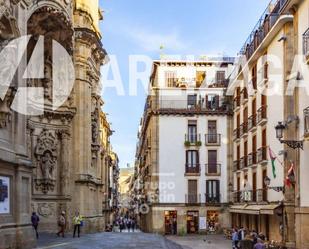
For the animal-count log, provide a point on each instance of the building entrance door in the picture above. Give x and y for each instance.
(170, 222)
(192, 222)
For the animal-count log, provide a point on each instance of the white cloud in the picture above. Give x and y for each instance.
(151, 41)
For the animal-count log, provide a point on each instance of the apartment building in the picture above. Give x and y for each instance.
(183, 150)
(271, 126)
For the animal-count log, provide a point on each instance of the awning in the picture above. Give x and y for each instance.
(254, 209)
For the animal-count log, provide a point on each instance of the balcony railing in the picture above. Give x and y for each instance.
(183, 105)
(252, 159)
(262, 28)
(243, 129)
(251, 122)
(236, 165)
(237, 196)
(243, 162)
(213, 169)
(193, 168)
(193, 199)
(212, 199)
(262, 154)
(236, 133)
(306, 44)
(213, 139)
(262, 115)
(193, 139)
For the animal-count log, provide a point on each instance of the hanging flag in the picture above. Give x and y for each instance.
(273, 159)
(290, 179)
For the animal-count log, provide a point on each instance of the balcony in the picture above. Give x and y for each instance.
(252, 159)
(236, 165)
(192, 140)
(244, 95)
(212, 199)
(243, 129)
(265, 24)
(306, 122)
(306, 45)
(237, 103)
(243, 162)
(213, 139)
(178, 107)
(261, 195)
(236, 134)
(252, 123)
(193, 169)
(262, 155)
(193, 199)
(213, 169)
(262, 115)
(237, 196)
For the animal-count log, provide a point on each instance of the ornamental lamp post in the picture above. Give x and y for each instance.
(294, 144)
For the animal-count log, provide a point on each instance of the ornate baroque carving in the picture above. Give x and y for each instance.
(46, 154)
(46, 209)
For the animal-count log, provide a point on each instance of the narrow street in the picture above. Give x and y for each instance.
(136, 240)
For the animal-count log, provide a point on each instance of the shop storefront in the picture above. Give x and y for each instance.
(170, 222)
(192, 222)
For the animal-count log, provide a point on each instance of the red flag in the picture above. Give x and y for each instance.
(290, 178)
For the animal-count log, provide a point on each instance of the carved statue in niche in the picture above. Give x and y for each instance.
(95, 126)
(46, 154)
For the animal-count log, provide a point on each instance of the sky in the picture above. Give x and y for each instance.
(140, 27)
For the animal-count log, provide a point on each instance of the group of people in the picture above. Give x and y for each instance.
(62, 222)
(126, 224)
(244, 239)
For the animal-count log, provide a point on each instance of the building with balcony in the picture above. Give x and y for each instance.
(183, 149)
(260, 198)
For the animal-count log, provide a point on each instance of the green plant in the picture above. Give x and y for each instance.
(198, 143)
(187, 143)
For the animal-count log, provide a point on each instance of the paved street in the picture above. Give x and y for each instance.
(202, 242)
(107, 241)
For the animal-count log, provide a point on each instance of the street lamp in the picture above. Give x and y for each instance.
(294, 144)
(277, 189)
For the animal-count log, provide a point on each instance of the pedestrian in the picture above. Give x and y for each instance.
(61, 224)
(129, 225)
(35, 223)
(259, 244)
(235, 239)
(77, 221)
(121, 225)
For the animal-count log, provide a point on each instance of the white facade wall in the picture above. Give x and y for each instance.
(172, 157)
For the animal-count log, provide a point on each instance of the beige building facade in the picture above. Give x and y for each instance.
(56, 161)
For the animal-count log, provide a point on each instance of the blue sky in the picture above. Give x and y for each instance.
(198, 27)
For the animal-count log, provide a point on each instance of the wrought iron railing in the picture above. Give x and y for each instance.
(193, 198)
(213, 139)
(213, 169)
(193, 168)
(211, 198)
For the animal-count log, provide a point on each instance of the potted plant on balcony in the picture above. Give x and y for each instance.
(198, 143)
(187, 143)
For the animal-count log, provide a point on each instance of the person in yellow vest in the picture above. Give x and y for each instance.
(78, 222)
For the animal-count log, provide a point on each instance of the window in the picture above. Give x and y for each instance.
(192, 191)
(212, 102)
(212, 132)
(192, 158)
(212, 162)
(213, 191)
(192, 132)
(171, 78)
(220, 77)
(192, 100)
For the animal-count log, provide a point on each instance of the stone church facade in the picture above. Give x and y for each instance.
(55, 161)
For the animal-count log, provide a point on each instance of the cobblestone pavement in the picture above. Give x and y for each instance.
(126, 240)
(202, 242)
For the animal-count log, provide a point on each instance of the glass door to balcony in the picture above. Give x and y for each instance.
(212, 191)
(212, 132)
(192, 132)
(192, 191)
(212, 162)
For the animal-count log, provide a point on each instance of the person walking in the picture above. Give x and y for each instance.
(133, 225)
(77, 221)
(61, 224)
(35, 223)
(129, 225)
(259, 244)
(235, 239)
